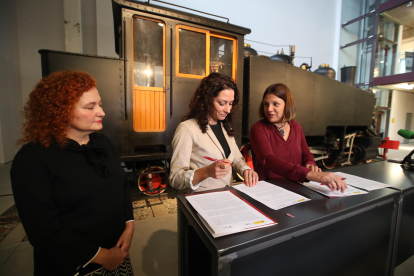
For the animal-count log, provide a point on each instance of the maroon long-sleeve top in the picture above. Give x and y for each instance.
(273, 157)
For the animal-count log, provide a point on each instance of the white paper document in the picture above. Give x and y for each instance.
(323, 189)
(271, 195)
(225, 213)
(362, 183)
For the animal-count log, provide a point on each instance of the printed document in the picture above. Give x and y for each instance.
(362, 183)
(225, 213)
(271, 195)
(323, 189)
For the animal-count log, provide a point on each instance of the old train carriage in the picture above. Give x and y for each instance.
(163, 55)
(335, 117)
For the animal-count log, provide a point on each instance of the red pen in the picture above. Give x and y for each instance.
(219, 161)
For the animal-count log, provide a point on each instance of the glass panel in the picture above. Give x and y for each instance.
(221, 56)
(360, 56)
(352, 9)
(381, 96)
(148, 53)
(192, 53)
(358, 30)
(395, 42)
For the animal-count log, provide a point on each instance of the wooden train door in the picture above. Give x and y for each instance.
(149, 101)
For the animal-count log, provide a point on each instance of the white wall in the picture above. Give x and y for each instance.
(402, 103)
(27, 26)
(312, 26)
(10, 82)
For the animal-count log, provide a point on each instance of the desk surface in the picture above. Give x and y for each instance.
(314, 213)
(384, 172)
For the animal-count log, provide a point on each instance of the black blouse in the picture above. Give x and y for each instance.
(218, 131)
(71, 201)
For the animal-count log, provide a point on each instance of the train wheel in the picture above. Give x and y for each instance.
(324, 163)
(159, 180)
(246, 151)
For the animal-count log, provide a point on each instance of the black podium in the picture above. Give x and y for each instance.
(340, 236)
(403, 181)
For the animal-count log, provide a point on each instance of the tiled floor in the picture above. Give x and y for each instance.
(6, 197)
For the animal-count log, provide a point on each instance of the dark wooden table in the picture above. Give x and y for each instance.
(403, 181)
(340, 236)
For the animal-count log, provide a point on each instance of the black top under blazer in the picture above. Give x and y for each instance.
(71, 201)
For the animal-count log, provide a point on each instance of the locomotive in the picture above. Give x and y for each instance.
(163, 55)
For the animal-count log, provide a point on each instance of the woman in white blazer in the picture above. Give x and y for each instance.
(207, 131)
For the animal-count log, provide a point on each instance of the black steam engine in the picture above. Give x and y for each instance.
(163, 55)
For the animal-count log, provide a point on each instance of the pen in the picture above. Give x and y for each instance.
(219, 161)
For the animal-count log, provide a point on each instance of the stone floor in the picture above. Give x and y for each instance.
(154, 246)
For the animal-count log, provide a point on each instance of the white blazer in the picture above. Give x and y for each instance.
(190, 145)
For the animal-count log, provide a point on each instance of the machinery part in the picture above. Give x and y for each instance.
(283, 58)
(248, 51)
(154, 176)
(318, 154)
(246, 151)
(359, 152)
(331, 162)
(327, 164)
(326, 71)
(349, 143)
(348, 74)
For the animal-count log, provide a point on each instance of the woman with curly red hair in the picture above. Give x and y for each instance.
(207, 131)
(70, 191)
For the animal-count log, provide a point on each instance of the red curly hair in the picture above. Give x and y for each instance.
(49, 108)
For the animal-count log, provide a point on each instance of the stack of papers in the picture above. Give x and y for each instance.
(323, 189)
(226, 213)
(271, 195)
(362, 183)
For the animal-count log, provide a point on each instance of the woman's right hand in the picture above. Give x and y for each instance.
(110, 258)
(219, 170)
(333, 181)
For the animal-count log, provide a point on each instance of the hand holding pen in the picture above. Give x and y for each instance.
(225, 161)
(219, 168)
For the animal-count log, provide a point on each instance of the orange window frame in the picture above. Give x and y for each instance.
(208, 35)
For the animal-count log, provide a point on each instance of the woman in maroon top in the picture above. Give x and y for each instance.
(279, 145)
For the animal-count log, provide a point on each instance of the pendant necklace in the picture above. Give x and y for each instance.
(281, 130)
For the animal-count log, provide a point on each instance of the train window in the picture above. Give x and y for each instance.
(200, 52)
(222, 55)
(149, 74)
(148, 53)
(192, 52)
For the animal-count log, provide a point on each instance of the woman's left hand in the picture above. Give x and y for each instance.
(313, 168)
(250, 177)
(124, 241)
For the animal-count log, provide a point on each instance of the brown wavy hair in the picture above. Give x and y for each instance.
(280, 90)
(202, 101)
(49, 109)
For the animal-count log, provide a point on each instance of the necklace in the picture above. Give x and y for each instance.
(281, 129)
